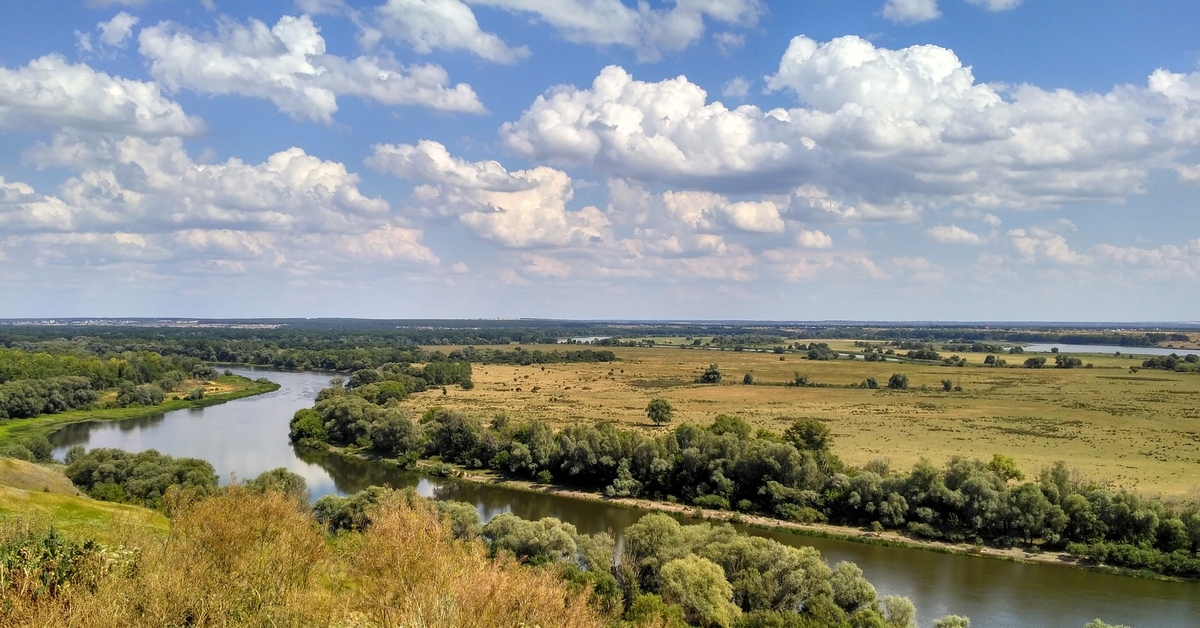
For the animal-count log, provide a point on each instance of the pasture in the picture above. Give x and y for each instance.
(1135, 430)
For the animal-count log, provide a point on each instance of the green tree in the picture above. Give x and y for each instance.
(698, 585)
(809, 435)
(898, 381)
(712, 375)
(748, 380)
(1005, 468)
(659, 411)
(851, 590)
(952, 621)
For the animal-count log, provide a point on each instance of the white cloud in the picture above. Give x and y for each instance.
(649, 31)
(1037, 245)
(429, 25)
(893, 130)
(154, 185)
(814, 240)
(51, 93)
(727, 42)
(518, 209)
(992, 220)
(737, 87)
(954, 234)
(117, 31)
(1191, 174)
(910, 11)
(997, 5)
(754, 216)
(288, 65)
(1168, 262)
(148, 203)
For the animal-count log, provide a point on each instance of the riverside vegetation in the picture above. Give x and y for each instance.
(793, 475)
(258, 554)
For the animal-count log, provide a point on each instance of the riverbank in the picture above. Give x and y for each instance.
(888, 538)
(19, 429)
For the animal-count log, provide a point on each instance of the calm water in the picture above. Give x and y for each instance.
(1107, 350)
(249, 436)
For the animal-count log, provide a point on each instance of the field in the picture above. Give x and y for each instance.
(1136, 430)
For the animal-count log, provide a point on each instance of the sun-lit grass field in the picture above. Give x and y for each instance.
(1139, 430)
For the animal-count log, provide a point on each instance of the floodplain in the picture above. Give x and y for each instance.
(1134, 428)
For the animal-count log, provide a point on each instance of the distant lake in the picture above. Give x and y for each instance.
(1108, 349)
(585, 339)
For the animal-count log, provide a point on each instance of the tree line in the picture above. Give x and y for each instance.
(33, 384)
(793, 476)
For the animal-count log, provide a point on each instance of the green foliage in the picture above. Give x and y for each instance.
(1035, 362)
(27, 398)
(712, 375)
(699, 587)
(142, 478)
(659, 411)
(821, 351)
(280, 480)
(952, 621)
(463, 519)
(543, 541)
(748, 380)
(898, 381)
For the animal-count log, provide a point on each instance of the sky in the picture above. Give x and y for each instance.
(601, 159)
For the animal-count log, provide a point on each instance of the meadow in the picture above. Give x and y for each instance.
(1137, 430)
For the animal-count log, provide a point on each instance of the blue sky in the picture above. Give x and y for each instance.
(883, 159)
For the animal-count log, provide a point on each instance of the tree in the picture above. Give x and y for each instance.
(698, 585)
(809, 435)
(898, 381)
(659, 411)
(947, 385)
(851, 590)
(1035, 363)
(952, 621)
(712, 375)
(1005, 468)
(748, 380)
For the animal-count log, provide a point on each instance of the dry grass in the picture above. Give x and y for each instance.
(243, 559)
(1138, 430)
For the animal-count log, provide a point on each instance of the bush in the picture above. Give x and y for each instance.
(898, 381)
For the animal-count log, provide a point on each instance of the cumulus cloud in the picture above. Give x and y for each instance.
(117, 31)
(910, 11)
(953, 234)
(1040, 245)
(737, 87)
(814, 240)
(649, 31)
(894, 130)
(147, 202)
(288, 65)
(429, 25)
(517, 209)
(156, 186)
(1166, 262)
(51, 93)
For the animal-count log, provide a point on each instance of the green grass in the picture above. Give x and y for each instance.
(42, 492)
(46, 424)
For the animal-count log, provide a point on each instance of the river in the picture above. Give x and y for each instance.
(246, 437)
(1107, 349)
